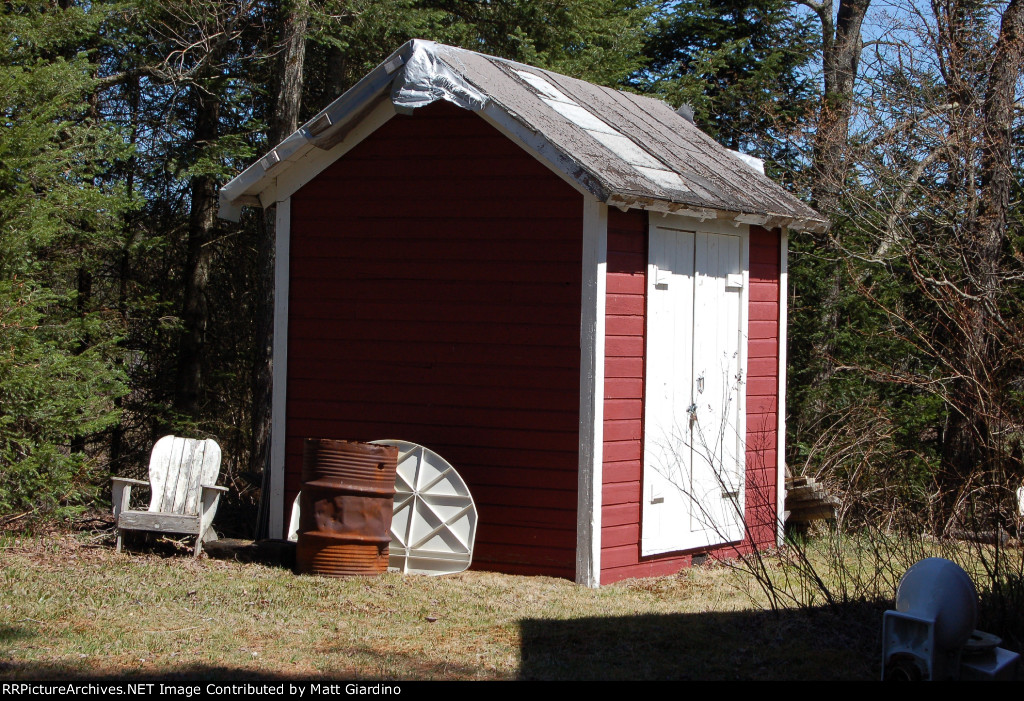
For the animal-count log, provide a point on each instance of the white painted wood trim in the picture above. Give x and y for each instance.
(592, 341)
(780, 450)
(315, 161)
(541, 149)
(282, 233)
(685, 222)
(744, 369)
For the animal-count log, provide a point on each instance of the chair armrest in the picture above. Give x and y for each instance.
(121, 493)
(208, 508)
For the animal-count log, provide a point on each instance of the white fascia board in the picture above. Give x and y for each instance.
(780, 404)
(544, 151)
(591, 415)
(256, 178)
(710, 225)
(315, 161)
(279, 397)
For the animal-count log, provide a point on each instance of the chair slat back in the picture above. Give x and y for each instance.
(177, 469)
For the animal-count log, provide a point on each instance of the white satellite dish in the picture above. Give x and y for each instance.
(434, 521)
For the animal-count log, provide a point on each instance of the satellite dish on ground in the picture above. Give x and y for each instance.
(434, 521)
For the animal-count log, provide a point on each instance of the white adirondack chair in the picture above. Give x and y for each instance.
(182, 473)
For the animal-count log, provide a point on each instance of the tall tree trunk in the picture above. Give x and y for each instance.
(201, 224)
(968, 446)
(288, 101)
(284, 120)
(841, 51)
(132, 88)
(336, 82)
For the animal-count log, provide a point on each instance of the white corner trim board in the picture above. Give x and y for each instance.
(278, 400)
(592, 351)
(780, 406)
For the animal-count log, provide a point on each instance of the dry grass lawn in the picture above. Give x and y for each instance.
(70, 607)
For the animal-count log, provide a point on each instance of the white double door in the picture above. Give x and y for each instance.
(694, 416)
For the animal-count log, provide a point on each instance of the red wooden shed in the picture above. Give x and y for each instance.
(569, 292)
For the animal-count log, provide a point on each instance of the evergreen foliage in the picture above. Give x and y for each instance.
(923, 283)
(744, 66)
(60, 216)
(596, 40)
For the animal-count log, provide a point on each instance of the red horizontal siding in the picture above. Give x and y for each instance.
(763, 291)
(762, 367)
(423, 422)
(620, 451)
(435, 298)
(472, 314)
(623, 444)
(622, 409)
(421, 373)
(623, 388)
(426, 393)
(444, 291)
(624, 393)
(624, 367)
(615, 431)
(615, 536)
(620, 515)
(763, 387)
(435, 351)
(620, 493)
(624, 470)
(763, 348)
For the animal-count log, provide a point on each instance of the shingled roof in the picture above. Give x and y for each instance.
(626, 150)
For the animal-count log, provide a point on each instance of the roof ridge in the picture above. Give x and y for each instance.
(629, 154)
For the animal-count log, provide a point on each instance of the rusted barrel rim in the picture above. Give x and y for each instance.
(334, 485)
(348, 538)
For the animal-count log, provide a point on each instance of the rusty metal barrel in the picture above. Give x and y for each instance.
(345, 508)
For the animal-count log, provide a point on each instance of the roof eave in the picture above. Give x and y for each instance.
(322, 131)
(769, 220)
(426, 78)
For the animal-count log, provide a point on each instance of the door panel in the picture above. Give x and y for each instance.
(715, 429)
(693, 421)
(669, 364)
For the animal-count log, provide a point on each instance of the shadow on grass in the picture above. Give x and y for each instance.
(823, 644)
(272, 553)
(812, 644)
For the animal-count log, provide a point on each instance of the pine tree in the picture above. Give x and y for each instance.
(742, 65)
(59, 218)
